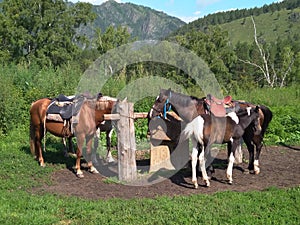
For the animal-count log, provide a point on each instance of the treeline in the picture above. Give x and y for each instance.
(229, 16)
(41, 33)
(44, 33)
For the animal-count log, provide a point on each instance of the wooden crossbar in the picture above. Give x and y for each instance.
(116, 116)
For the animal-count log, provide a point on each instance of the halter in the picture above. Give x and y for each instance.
(165, 107)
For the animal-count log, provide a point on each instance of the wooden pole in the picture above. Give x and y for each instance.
(126, 142)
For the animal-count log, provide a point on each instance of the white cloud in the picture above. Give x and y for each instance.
(225, 10)
(188, 19)
(94, 2)
(197, 13)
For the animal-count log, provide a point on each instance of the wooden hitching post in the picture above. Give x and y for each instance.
(126, 142)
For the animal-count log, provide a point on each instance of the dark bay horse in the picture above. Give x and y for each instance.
(189, 107)
(91, 114)
(207, 129)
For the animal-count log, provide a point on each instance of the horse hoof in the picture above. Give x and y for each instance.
(80, 175)
(246, 171)
(93, 170)
(230, 182)
(207, 184)
(110, 160)
(257, 171)
(195, 185)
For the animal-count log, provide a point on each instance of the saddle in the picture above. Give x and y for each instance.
(65, 109)
(219, 107)
(62, 106)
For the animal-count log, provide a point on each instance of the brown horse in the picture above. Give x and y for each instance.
(90, 116)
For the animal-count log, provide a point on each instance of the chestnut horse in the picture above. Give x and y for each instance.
(189, 107)
(107, 127)
(90, 116)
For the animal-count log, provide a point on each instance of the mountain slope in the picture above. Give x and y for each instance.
(277, 20)
(142, 22)
(269, 26)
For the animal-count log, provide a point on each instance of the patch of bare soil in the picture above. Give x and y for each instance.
(279, 168)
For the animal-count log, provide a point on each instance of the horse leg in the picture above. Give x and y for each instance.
(80, 140)
(39, 135)
(71, 147)
(202, 162)
(258, 144)
(208, 159)
(65, 147)
(239, 153)
(231, 158)
(109, 157)
(89, 142)
(194, 163)
(250, 148)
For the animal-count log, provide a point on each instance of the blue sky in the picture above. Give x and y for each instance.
(189, 10)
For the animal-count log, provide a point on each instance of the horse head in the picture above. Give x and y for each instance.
(257, 124)
(248, 116)
(161, 104)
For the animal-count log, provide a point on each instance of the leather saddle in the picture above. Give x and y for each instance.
(62, 106)
(219, 107)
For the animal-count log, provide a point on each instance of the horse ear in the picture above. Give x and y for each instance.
(169, 91)
(124, 100)
(257, 108)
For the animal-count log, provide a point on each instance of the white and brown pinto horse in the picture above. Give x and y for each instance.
(91, 115)
(208, 129)
(189, 107)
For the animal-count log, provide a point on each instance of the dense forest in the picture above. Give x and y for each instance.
(43, 55)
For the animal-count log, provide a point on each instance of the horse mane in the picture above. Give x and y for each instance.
(182, 99)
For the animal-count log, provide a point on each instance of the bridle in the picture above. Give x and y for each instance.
(166, 108)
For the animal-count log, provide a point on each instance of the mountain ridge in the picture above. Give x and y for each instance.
(141, 22)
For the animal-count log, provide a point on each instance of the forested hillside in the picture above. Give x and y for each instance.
(261, 48)
(230, 16)
(141, 22)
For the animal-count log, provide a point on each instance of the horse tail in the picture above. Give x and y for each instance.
(268, 115)
(195, 128)
(32, 138)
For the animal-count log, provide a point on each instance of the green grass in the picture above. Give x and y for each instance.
(272, 206)
(19, 173)
(272, 97)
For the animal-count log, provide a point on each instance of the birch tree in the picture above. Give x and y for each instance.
(272, 76)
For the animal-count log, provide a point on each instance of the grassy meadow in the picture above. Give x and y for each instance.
(269, 25)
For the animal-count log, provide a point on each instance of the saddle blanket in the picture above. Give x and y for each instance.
(54, 117)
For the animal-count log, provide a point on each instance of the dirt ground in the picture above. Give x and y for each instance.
(279, 168)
